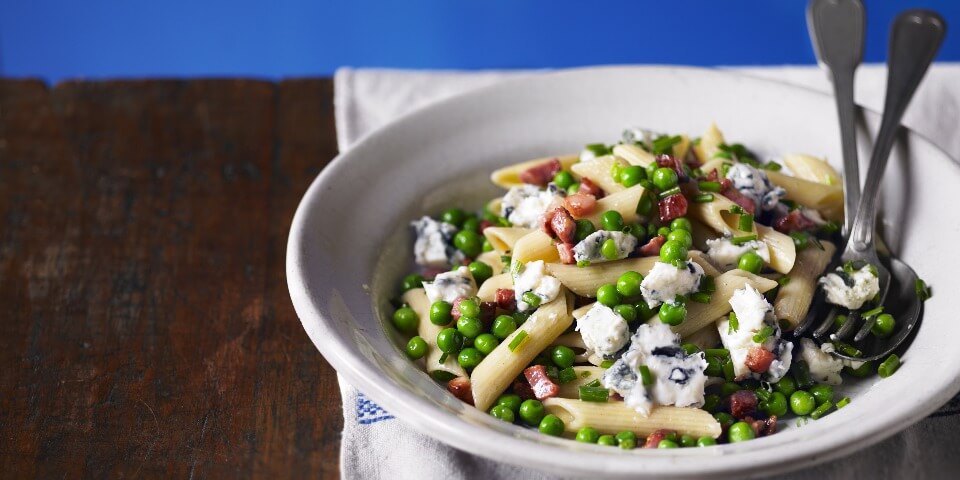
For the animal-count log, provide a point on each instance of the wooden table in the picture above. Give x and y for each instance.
(146, 325)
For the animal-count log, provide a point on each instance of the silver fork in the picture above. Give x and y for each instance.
(915, 37)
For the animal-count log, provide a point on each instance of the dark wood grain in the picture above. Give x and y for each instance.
(146, 329)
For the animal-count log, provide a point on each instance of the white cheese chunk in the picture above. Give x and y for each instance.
(665, 282)
(823, 366)
(434, 244)
(604, 332)
(632, 135)
(726, 255)
(589, 248)
(449, 286)
(531, 278)
(523, 205)
(677, 378)
(753, 314)
(850, 290)
(754, 183)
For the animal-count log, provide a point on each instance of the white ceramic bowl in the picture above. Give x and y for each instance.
(349, 247)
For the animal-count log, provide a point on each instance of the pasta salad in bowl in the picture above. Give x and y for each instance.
(639, 292)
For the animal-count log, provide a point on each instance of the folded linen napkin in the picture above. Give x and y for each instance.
(377, 445)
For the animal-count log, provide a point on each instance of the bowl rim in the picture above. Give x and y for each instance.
(410, 408)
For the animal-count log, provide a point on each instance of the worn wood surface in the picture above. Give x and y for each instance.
(146, 325)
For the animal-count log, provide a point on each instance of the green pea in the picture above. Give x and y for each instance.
(672, 250)
(416, 348)
(485, 342)
(532, 412)
(627, 440)
(665, 178)
(681, 223)
(469, 358)
(609, 249)
(724, 418)
(468, 308)
(682, 236)
(663, 231)
(405, 319)
(469, 327)
(502, 412)
(673, 314)
(551, 425)
(607, 440)
(729, 388)
(822, 393)
(802, 403)
(630, 176)
(667, 444)
(612, 220)
(885, 323)
(531, 299)
(511, 400)
(740, 432)
(787, 385)
(688, 441)
(454, 216)
(487, 246)
(573, 189)
(480, 271)
(440, 313)
(563, 179)
(468, 242)
(711, 402)
(776, 404)
(588, 435)
(472, 224)
(608, 295)
(411, 281)
(629, 283)
(627, 311)
(643, 310)
(584, 229)
(562, 356)
(706, 442)
(449, 340)
(750, 262)
(503, 326)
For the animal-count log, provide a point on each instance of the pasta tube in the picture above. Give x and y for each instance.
(615, 417)
(828, 199)
(634, 155)
(709, 143)
(624, 201)
(488, 291)
(598, 171)
(812, 168)
(585, 375)
(502, 239)
(793, 299)
(700, 315)
(535, 245)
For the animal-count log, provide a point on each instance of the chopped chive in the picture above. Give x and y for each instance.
(734, 323)
(606, 364)
(843, 402)
(696, 173)
(821, 410)
(783, 281)
(703, 198)
(667, 193)
(646, 375)
(700, 297)
(763, 394)
(889, 366)
(594, 384)
(443, 358)
(567, 375)
(583, 263)
(746, 222)
(506, 259)
(517, 340)
(743, 239)
(873, 312)
(689, 348)
(728, 372)
(829, 228)
(801, 373)
(598, 149)
(664, 143)
(593, 394)
(615, 172)
(772, 166)
(763, 334)
(737, 209)
(709, 186)
(923, 291)
(708, 284)
(800, 240)
(722, 154)
(717, 352)
(839, 320)
(847, 349)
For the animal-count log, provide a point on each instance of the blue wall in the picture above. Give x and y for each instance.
(57, 39)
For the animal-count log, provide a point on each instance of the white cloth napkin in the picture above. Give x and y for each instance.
(375, 445)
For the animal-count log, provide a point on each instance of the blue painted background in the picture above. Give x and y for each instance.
(57, 39)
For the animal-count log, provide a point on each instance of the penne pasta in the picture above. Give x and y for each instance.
(700, 315)
(585, 375)
(709, 143)
(502, 239)
(634, 155)
(509, 176)
(535, 245)
(624, 201)
(793, 299)
(498, 369)
(494, 259)
(827, 199)
(417, 300)
(811, 168)
(615, 417)
(488, 291)
(704, 338)
(598, 171)
(681, 148)
(585, 281)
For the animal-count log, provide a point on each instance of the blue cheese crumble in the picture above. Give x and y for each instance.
(726, 255)
(676, 378)
(754, 184)
(434, 244)
(604, 332)
(754, 314)
(531, 278)
(449, 286)
(589, 248)
(665, 282)
(850, 290)
(523, 205)
(824, 367)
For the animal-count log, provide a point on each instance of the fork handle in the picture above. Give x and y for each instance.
(915, 37)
